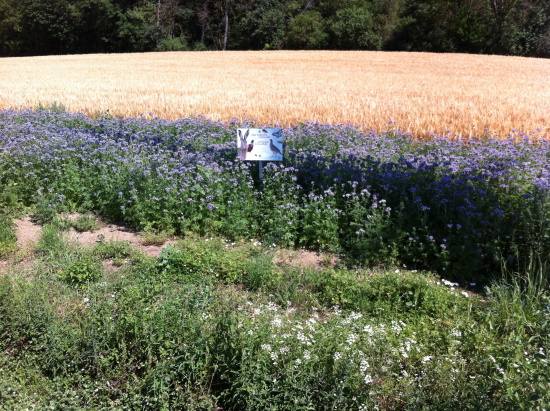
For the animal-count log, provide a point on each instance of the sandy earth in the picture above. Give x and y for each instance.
(28, 234)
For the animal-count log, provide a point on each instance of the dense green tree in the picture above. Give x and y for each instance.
(137, 28)
(307, 31)
(37, 27)
(266, 24)
(44, 27)
(355, 28)
(9, 28)
(445, 26)
(527, 30)
(95, 26)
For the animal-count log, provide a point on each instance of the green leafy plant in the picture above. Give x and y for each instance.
(45, 210)
(260, 273)
(113, 249)
(10, 202)
(52, 243)
(151, 236)
(8, 238)
(189, 264)
(83, 270)
(85, 223)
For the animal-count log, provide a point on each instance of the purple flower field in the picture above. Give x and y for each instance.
(466, 208)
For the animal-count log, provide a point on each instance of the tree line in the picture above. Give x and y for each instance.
(44, 27)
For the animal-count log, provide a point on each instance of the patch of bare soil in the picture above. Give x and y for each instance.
(305, 258)
(4, 265)
(28, 234)
(115, 232)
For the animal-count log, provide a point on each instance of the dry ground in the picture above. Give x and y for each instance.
(28, 234)
(421, 92)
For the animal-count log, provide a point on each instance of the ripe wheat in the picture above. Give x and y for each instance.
(417, 92)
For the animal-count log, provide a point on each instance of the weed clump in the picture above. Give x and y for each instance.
(8, 238)
(82, 271)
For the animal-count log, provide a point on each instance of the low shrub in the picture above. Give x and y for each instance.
(82, 271)
(86, 222)
(8, 238)
(113, 249)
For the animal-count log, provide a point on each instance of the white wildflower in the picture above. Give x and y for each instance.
(363, 366)
(351, 339)
(277, 322)
(368, 330)
(456, 333)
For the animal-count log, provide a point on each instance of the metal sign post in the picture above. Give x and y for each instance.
(260, 171)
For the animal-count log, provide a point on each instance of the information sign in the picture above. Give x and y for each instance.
(260, 144)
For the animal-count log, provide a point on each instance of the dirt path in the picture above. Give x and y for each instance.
(29, 233)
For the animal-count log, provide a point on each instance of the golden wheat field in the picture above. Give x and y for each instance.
(420, 92)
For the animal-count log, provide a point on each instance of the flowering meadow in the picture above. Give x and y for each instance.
(439, 300)
(465, 209)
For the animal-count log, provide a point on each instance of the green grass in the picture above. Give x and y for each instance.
(213, 324)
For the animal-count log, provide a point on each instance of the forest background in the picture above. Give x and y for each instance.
(44, 27)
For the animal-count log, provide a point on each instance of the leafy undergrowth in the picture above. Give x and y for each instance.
(8, 239)
(214, 324)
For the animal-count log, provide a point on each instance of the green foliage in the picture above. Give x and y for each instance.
(45, 209)
(307, 31)
(172, 44)
(150, 236)
(515, 311)
(260, 273)
(86, 222)
(113, 249)
(320, 221)
(9, 198)
(279, 207)
(388, 292)
(82, 271)
(199, 46)
(371, 233)
(204, 261)
(8, 239)
(355, 28)
(188, 265)
(6, 298)
(396, 339)
(52, 243)
(100, 26)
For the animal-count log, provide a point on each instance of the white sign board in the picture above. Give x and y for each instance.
(260, 144)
